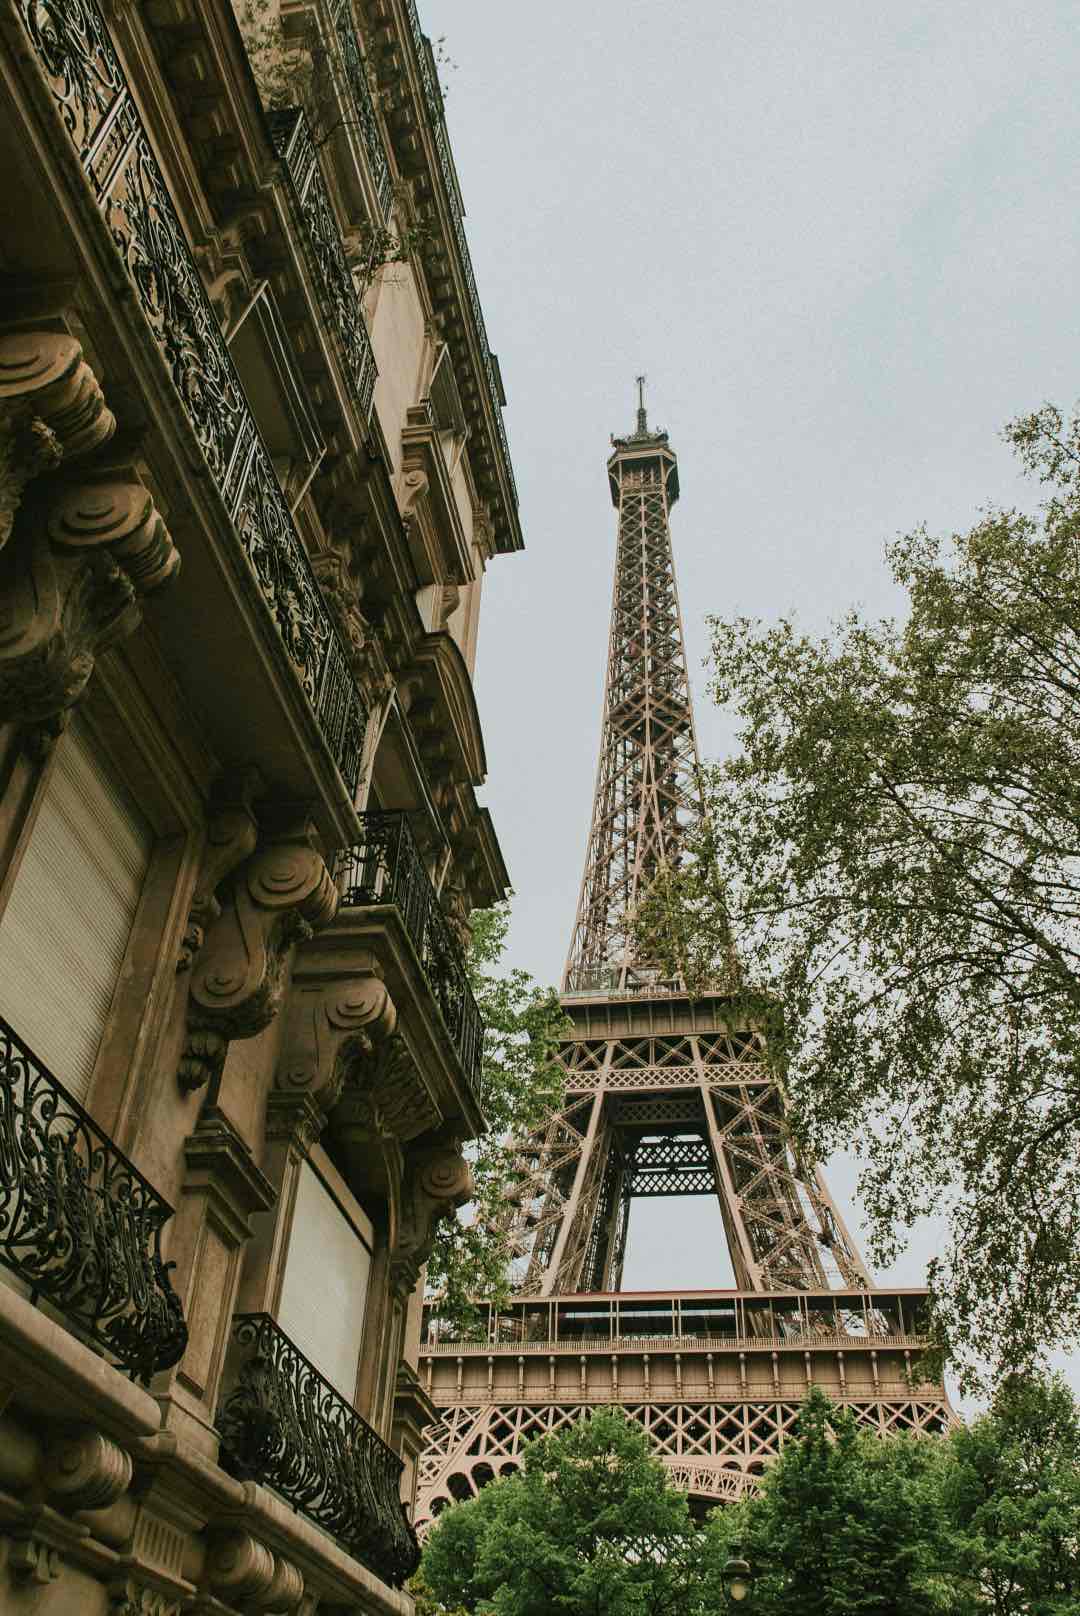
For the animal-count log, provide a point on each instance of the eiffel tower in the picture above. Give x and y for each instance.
(665, 1096)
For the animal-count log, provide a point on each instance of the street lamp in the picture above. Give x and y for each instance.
(738, 1578)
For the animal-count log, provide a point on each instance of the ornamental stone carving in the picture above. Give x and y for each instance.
(50, 407)
(278, 897)
(242, 1570)
(231, 836)
(84, 1470)
(70, 587)
(434, 1182)
(329, 1025)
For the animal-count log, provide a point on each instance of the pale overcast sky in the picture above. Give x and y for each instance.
(841, 240)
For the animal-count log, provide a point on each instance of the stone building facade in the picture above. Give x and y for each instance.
(251, 475)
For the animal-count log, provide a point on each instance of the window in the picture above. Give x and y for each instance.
(326, 1275)
(65, 930)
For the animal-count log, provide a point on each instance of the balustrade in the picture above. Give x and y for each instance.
(78, 1223)
(386, 868)
(74, 49)
(283, 1424)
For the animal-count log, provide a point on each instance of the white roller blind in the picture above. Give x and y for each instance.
(326, 1280)
(65, 930)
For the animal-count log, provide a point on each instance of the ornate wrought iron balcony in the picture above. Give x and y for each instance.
(83, 72)
(356, 74)
(386, 868)
(293, 143)
(78, 1224)
(284, 1425)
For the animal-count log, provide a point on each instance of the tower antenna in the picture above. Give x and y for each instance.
(641, 423)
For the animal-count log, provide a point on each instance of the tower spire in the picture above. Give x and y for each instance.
(647, 789)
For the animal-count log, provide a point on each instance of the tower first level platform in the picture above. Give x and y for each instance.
(717, 1379)
(669, 1096)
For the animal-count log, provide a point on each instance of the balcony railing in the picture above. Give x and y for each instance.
(83, 72)
(78, 1224)
(283, 1424)
(433, 100)
(292, 141)
(364, 107)
(386, 868)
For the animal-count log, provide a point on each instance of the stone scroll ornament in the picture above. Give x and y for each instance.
(51, 409)
(71, 579)
(330, 1026)
(280, 896)
(434, 1183)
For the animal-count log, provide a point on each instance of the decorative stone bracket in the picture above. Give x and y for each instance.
(247, 1575)
(51, 408)
(70, 583)
(331, 1023)
(434, 1182)
(278, 897)
(231, 836)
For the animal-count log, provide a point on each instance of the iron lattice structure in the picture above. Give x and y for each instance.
(664, 1096)
(647, 782)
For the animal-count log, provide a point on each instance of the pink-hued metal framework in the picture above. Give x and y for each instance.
(664, 1096)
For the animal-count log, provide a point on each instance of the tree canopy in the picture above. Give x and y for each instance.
(520, 1082)
(982, 1522)
(588, 1527)
(893, 858)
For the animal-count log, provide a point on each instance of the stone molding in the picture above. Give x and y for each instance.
(278, 897)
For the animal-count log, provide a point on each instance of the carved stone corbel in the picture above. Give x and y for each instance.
(84, 1470)
(278, 897)
(329, 1025)
(128, 1597)
(243, 1572)
(50, 406)
(70, 587)
(433, 1183)
(231, 835)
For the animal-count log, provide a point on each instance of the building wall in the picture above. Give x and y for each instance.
(224, 501)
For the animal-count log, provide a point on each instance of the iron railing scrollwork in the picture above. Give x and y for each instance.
(87, 82)
(360, 90)
(433, 100)
(293, 144)
(78, 1223)
(283, 1424)
(386, 868)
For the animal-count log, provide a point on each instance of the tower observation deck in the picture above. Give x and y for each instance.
(665, 1096)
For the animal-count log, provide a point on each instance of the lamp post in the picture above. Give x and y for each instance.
(738, 1579)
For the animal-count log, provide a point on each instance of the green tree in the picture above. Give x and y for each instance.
(895, 855)
(588, 1527)
(846, 1524)
(1011, 1502)
(521, 1081)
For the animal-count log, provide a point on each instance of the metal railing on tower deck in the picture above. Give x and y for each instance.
(386, 868)
(79, 1225)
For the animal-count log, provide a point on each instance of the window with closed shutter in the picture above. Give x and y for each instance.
(65, 930)
(324, 1294)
